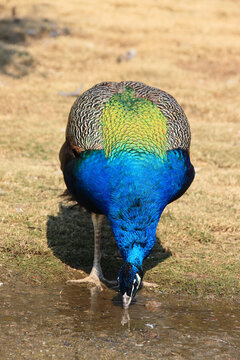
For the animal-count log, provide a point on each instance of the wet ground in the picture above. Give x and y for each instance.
(74, 322)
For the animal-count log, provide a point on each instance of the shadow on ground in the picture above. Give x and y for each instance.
(15, 36)
(14, 62)
(70, 236)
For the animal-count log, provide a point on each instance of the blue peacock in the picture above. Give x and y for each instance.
(126, 156)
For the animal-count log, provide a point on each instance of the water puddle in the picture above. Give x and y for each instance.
(73, 322)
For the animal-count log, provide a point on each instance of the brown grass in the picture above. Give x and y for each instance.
(191, 50)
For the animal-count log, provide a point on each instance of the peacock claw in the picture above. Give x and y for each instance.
(93, 279)
(110, 282)
(89, 279)
(149, 284)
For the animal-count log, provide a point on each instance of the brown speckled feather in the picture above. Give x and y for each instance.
(84, 129)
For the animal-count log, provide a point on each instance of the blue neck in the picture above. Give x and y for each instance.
(137, 244)
(140, 192)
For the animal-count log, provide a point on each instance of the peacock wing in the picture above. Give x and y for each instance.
(85, 131)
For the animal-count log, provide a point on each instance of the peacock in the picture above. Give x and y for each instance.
(126, 156)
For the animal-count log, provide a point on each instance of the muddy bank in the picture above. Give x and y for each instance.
(73, 322)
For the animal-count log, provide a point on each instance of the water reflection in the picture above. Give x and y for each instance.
(31, 316)
(125, 318)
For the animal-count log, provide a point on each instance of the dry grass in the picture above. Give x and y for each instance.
(190, 49)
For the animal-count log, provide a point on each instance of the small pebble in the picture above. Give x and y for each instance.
(153, 305)
(129, 55)
(149, 325)
(54, 33)
(31, 32)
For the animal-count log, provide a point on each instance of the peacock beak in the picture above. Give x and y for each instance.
(126, 301)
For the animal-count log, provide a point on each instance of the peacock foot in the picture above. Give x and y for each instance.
(149, 284)
(91, 279)
(110, 282)
(95, 277)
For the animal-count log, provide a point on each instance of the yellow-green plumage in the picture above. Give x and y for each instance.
(133, 124)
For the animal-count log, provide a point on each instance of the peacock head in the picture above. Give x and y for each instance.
(130, 281)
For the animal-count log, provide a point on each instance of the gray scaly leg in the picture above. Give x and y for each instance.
(96, 275)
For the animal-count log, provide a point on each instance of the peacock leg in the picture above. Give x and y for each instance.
(96, 269)
(96, 275)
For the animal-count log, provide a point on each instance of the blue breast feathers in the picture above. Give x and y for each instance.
(132, 191)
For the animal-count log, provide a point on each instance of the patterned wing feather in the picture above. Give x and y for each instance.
(85, 128)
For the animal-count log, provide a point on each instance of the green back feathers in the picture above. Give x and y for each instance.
(132, 124)
(127, 117)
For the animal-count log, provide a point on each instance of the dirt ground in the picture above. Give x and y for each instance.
(50, 49)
